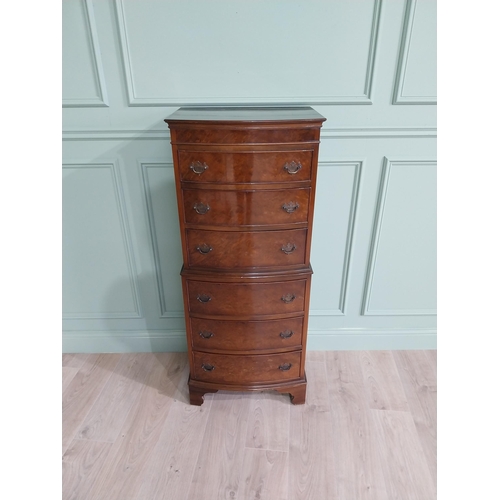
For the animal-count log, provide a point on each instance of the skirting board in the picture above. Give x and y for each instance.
(317, 340)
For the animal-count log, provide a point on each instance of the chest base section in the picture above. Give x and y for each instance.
(296, 389)
(247, 331)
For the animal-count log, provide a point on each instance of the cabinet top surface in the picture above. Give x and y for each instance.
(244, 114)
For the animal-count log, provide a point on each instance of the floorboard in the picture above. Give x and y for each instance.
(264, 475)
(170, 469)
(357, 469)
(268, 421)
(217, 472)
(68, 374)
(382, 384)
(80, 467)
(122, 476)
(311, 464)
(403, 461)
(83, 391)
(110, 410)
(419, 382)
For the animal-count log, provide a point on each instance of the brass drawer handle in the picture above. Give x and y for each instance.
(201, 208)
(292, 167)
(204, 248)
(197, 167)
(286, 334)
(288, 248)
(288, 298)
(203, 297)
(206, 335)
(207, 367)
(289, 208)
(285, 367)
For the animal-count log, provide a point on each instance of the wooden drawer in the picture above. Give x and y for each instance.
(245, 166)
(206, 134)
(235, 249)
(245, 208)
(246, 299)
(246, 335)
(245, 369)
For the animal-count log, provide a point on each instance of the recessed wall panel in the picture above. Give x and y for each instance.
(416, 80)
(234, 52)
(335, 212)
(82, 73)
(98, 271)
(402, 266)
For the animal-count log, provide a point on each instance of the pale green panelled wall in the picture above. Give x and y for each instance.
(368, 66)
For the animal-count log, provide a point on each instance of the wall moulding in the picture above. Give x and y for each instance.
(326, 133)
(124, 341)
(371, 339)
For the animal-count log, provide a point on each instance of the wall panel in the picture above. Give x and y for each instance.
(255, 52)
(99, 276)
(401, 276)
(417, 64)
(83, 73)
(335, 209)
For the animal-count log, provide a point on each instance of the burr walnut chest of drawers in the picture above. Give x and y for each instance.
(245, 181)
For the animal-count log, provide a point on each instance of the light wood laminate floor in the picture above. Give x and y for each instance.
(367, 431)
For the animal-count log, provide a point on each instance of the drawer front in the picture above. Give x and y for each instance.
(244, 369)
(250, 166)
(234, 249)
(246, 299)
(245, 208)
(236, 135)
(246, 335)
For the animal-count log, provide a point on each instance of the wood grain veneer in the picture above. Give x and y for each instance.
(245, 181)
(246, 369)
(243, 249)
(281, 334)
(245, 208)
(244, 166)
(246, 299)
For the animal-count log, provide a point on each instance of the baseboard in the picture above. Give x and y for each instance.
(124, 341)
(318, 340)
(346, 339)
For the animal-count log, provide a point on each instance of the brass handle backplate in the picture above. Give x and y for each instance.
(288, 298)
(197, 167)
(286, 334)
(201, 208)
(285, 367)
(288, 248)
(207, 367)
(204, 248)
(292, 167)
(206, 335)
(290, 207)
(203, 297)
